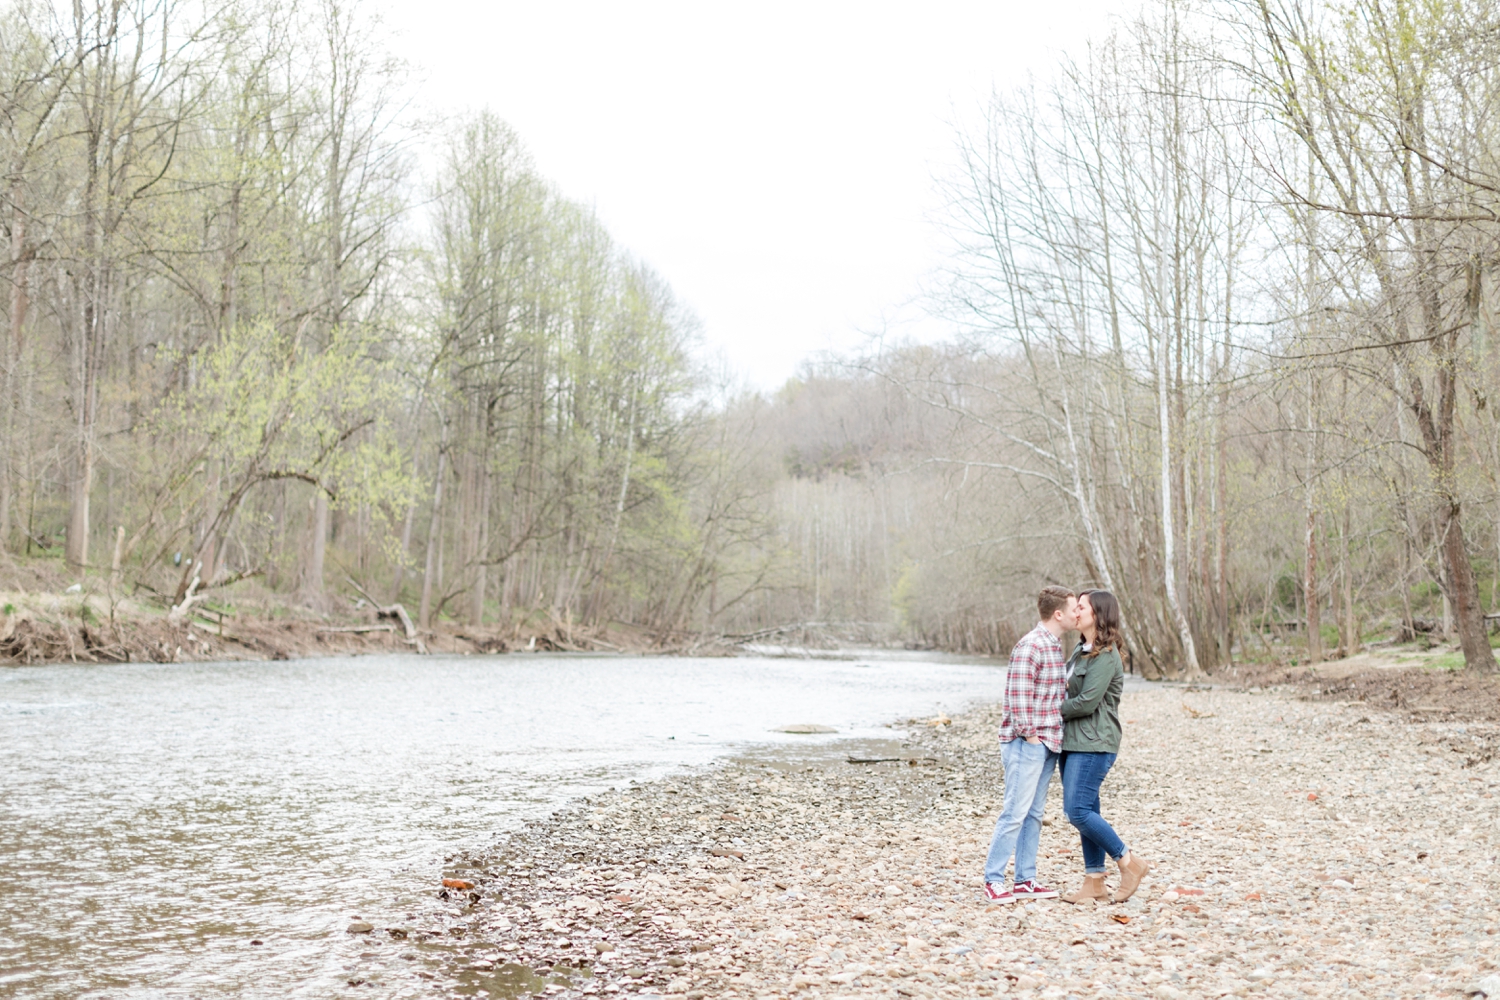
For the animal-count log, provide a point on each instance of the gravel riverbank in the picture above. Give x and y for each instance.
(1301, 850)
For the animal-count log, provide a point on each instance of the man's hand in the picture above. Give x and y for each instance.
(1033, 740)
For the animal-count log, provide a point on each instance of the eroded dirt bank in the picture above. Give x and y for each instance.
(1302, 850)
(1418, 683)
(77, 628)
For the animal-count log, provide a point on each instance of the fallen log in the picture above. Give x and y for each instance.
(179, 611)
(392, 611)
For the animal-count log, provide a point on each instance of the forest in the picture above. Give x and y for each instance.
(1221, 288)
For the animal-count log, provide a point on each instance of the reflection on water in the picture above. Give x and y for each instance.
(509, 980)
(212, 829)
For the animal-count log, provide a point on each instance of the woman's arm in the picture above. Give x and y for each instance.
(1095, 684)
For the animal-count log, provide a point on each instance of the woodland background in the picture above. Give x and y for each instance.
(1222, 294)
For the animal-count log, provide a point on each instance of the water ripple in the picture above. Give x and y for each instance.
(155, 819)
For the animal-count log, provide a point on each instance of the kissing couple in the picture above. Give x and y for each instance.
(1067, 710)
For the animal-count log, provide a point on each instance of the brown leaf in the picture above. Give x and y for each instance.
(457, 883)
(1119, 918)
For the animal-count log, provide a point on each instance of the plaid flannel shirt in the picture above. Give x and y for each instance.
(1035, 686)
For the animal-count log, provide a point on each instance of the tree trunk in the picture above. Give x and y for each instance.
(19, 303)
(406, 526)
(116, 560)
(312, 577)
(434, 538)
(1351, 639)
(77, 551)
(1168, 528)
(597, 600)
(1221, 542)
(482, 542)
(90, 351)
(1408, 621)
(1463, 591)
(1310, 602)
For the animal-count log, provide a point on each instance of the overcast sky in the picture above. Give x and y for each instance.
(774, 161)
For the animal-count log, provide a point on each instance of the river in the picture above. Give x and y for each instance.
(155, 819)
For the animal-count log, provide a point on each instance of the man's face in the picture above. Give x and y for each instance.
(1083, 613)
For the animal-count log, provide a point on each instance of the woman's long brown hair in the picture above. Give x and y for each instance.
(1106, 622)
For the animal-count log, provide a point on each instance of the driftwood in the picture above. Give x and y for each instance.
(392, 611)
(913, 761)
(234, 578)
(179, 611)
(766, 633)
(358, 628)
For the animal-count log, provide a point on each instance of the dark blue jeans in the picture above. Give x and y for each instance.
(1082, 774)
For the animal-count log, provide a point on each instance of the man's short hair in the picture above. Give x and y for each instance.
(1053, 599)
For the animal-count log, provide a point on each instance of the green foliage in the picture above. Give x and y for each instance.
(267, 404)
(1426, 591)
(1448, 661)
(1287, 588)
(560, 380)
(906, 593)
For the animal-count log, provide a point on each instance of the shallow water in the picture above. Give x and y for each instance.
(155, 818)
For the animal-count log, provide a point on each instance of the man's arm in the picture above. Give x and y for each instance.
(1020, 691)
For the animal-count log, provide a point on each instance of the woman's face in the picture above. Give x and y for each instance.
(1085, 614)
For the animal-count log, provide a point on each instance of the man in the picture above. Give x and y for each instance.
(1030, 740)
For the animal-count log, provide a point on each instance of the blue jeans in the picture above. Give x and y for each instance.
(1082, 774)
(1028, 769)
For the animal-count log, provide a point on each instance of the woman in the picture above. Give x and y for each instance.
(1091, 741)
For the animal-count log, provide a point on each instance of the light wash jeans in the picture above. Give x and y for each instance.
(1028, 769)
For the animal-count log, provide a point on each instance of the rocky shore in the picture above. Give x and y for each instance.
(1302, 850)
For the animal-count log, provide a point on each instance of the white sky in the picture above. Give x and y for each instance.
(773, 161)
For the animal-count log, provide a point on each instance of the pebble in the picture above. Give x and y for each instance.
(1358, 859)
(360, 927)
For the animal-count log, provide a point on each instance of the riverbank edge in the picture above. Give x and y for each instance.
(733, 879)
(664, 878)
(77, 627)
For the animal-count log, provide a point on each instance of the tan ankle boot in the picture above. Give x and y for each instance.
(1131, 873)
(1092, 888)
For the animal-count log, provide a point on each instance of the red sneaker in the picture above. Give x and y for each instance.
(1031, 890)
(996, 892)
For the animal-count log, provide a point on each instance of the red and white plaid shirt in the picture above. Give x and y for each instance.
(1035, 687)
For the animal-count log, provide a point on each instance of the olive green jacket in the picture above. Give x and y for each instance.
(1091, 712)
